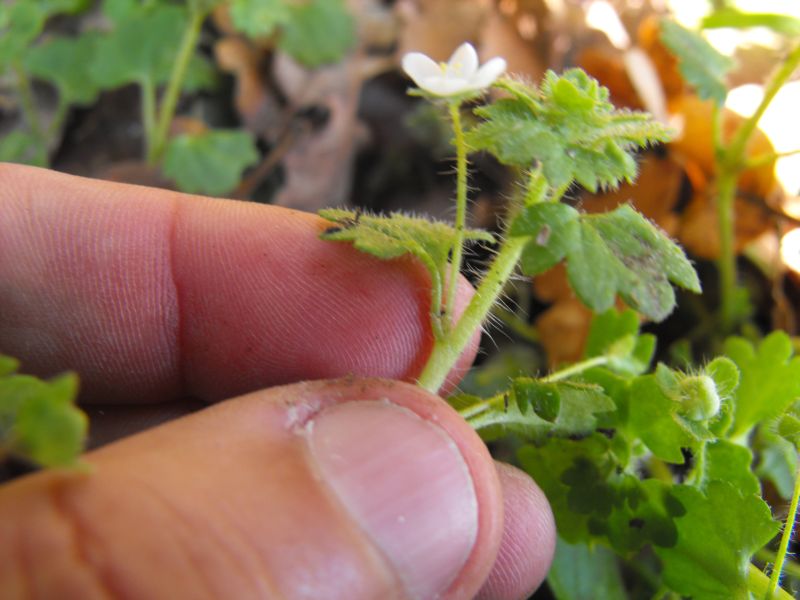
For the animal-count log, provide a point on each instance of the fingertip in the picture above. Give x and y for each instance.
(528, 541)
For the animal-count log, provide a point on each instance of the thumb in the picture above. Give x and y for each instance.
(346, 489)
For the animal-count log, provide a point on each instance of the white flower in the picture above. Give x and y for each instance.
(458, 75)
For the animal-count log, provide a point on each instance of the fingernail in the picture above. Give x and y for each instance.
(405, 483)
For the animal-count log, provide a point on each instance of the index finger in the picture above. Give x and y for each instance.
(151, 294)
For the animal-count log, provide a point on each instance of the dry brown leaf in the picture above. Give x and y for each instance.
(318, 166)
(564, 328)
(501, 37)
(437, 27)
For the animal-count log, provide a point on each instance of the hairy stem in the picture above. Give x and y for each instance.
(461, 216)
(790, 567)
(167, 109)
(446, 351)
(786, 537)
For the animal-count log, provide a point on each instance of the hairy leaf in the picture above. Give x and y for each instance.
(726, 461)
(211, 162)
(770, 379)
(699, 62)
(717, 536)
(569, 127)
(397, 235)
(535, 409)
(621, 252)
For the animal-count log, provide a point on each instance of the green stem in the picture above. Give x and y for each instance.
(785, 538)
(765, 159)
(148, 91)
(736, 149)
(726, 263)
(28, 104)
(758, 583)
(480, 407)
(731, 163)
(461, 215)
(167, 109)
(446, 351)
(790, 567)
(574, 369)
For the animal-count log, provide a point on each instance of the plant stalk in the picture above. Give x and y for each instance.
(148, 92)
(457, 250)
(446, 351)
(757, 583)
(167, 109)
(578, 367)
(731, 161)
(28, 104)
(786, 537)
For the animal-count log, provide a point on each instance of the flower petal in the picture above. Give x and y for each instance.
(464, 61)
(488, 73)
(445, 86)
(418, 66)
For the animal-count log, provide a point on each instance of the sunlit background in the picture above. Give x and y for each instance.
(781, 121)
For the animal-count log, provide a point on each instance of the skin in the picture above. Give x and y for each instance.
(155, 297)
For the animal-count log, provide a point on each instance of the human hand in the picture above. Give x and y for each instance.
(352, 488)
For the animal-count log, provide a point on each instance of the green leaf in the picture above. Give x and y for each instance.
(717, 537)
(770, 379)
(621, 252)
(38, 420)
(552, 227)
(732, 17)
(548, 463)
(318, 32)
(777, 460)
(699, 62)
(652, 418)
(567, 126)
(156, 34)
(20, 147)
(398, 235)
(580, 572)
(729, 462)
(259, 18)
(211, 162)
(20, 24)
(616, 334)
(8, 365)
(535, 410)
(62, 61)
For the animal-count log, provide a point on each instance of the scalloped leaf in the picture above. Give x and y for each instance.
(211, 162)
(569, 127)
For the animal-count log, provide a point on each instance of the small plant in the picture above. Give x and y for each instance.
(166, 37)
(647, 469)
